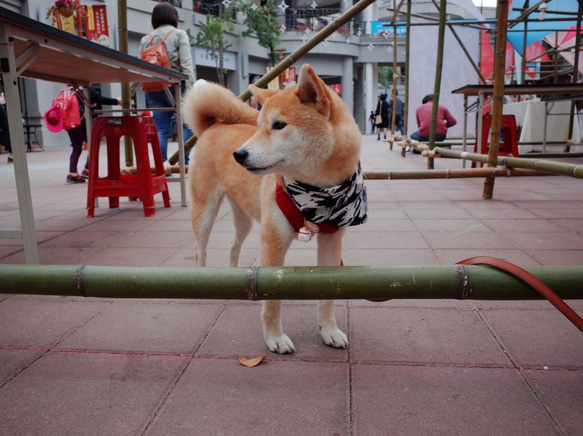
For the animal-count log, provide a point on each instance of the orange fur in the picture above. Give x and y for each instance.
(305, 133)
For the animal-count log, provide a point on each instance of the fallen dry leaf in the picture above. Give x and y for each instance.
(250, 363)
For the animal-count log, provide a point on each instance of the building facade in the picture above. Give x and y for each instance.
(348, 59)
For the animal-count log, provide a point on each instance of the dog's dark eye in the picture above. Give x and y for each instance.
(278, 125)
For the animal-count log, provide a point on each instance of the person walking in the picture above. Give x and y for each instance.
(383, 111)
(176, 41)
(399, 111)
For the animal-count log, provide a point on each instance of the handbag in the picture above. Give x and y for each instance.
(378, 119)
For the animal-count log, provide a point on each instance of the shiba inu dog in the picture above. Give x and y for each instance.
(300, 152)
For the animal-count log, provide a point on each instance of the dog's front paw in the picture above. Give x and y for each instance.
(334, 337)
(281, 344)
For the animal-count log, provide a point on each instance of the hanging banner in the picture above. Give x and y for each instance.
(288, 77)
(64, 23)
(96, 28)
(274, 84)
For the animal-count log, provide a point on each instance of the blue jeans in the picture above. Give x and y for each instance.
(163, 120)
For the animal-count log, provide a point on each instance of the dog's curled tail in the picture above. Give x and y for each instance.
(206, 104)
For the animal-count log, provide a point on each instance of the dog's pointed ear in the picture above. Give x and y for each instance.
(312, 89)
(262, 94)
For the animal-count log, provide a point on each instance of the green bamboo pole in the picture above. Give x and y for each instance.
(437, 86)
(292, 59)
(498, 95)
(561, 168)
(283, 283)
(395, 67)
(452, 174)
(407, 46)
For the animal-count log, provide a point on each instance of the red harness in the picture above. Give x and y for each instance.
(293, 214)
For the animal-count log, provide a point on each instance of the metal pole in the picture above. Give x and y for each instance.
(283, 283)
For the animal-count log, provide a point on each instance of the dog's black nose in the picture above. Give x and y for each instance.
(240, 155)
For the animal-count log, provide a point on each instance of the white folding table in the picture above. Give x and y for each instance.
(32, 49)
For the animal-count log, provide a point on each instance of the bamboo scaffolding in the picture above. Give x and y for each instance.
(561, 168)
(288, 283)
(291, 59)
(452, 174)
(437, 85)
(498, 95)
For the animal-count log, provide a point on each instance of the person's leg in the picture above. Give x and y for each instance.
(186, 134)
(77, 143)
(162, 119)
(77, 137)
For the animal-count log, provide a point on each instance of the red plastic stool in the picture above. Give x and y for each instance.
(509, 146)
(144, 184)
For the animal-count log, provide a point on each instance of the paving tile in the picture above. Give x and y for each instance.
(454, 255)
(419, 400)
(462, 240)
(123, 256)
(81, 393)
(422, 336)
(537, 338)
(171, 327)
(546, 240)
(79, 238)
(557, 257)
(14, 359)
(279, 398)
(55, 255)
(552, 388)
(239, 333)
(390, 257)
(387, 239)
(36, 322)
(160, 239)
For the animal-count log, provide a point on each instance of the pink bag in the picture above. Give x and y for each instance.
(67, 100)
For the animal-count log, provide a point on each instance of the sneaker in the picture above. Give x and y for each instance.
(75, 178)
(85, 173)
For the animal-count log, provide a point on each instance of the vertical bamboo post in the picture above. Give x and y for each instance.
(406, 97)
(498, 96)
(395, 74)
(437, 86)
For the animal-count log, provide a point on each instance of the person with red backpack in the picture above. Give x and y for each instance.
(176, 47)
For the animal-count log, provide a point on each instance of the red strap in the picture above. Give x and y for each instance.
(530, 280)
(293, 214)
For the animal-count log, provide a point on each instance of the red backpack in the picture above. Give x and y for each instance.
(156, 54)
(67, 99)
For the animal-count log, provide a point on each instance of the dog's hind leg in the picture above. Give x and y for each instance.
(203, 215)
(330, 254)
(243, 225)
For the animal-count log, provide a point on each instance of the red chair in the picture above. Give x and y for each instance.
(144, 184)
(509, 144)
